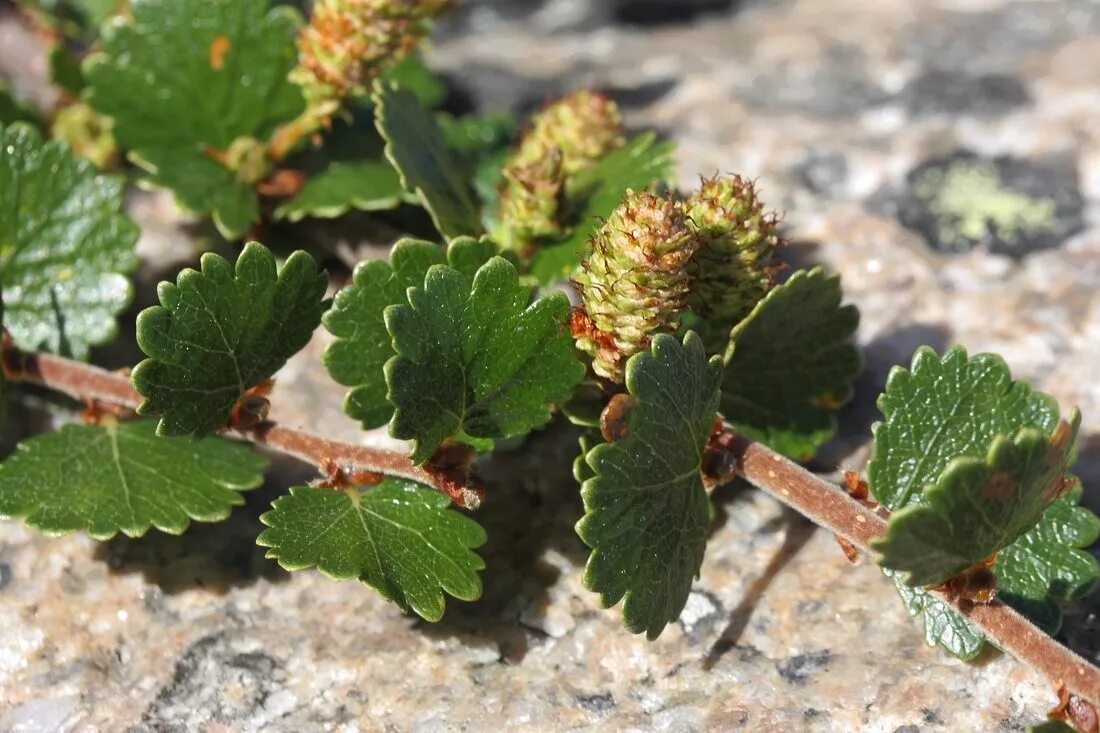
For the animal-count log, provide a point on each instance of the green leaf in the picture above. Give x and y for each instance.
(369, 185)
(791, 363)
(1048, 564)
(593, 193)
(3, 377)
(943, 625)
(646, 510)
(65, 246)
(977, 506)
(476, 360)
(65, 71)
(363, 345)
(481, 144)
(399, 537)
(417, 149)
(119, 477)
(944, 408)
(221, 331)
(12, 110)
(187, 77)
(1052, 726)
(929, 415)
(413, 74)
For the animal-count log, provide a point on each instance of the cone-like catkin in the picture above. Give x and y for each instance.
(583, 125)
(349, 42)
(565, 137)
(530, 200)
(634, 283)
(732, 270)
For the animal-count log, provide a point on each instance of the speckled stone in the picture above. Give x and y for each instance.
(835, 108)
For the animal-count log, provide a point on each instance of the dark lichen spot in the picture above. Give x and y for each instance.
(664, 12)
(797, 669)
(642, 95)
(5, 575)
(1009, 205)
(600, 704)
(193, 698)
(940, 91)
(823, 172)
(836, 86)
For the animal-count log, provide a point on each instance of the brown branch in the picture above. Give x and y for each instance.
(816, 498)
(828, 506)
(84, 381)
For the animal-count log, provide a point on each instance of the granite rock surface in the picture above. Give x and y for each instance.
(942, 155)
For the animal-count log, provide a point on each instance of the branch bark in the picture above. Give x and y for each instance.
(818, 499)
(827, 505)
(84, 382)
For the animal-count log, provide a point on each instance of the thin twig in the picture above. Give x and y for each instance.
(828, 506)
(84, 381)
(816, 498)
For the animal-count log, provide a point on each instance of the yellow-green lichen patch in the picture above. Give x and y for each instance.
(969, 202)
(1008, 205)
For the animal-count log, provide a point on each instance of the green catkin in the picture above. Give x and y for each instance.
(635, 282)
(732, 269)
(563, 139)
(347, 44)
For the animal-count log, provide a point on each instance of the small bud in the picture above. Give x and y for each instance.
(87, 132)
(634, 283)
(733, 268)
(247, 158)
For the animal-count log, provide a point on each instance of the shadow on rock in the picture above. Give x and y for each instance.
(531, 505)
(797, 531)
(213, 557)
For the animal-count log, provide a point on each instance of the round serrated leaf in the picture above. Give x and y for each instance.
(221, 331)
(791, 364)
(120, 477)
(646, 510)
(477, 360)
(942, 408)
(977, 506)
(399, 537)
(363, 345)
(65, 246)
(184, 80)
